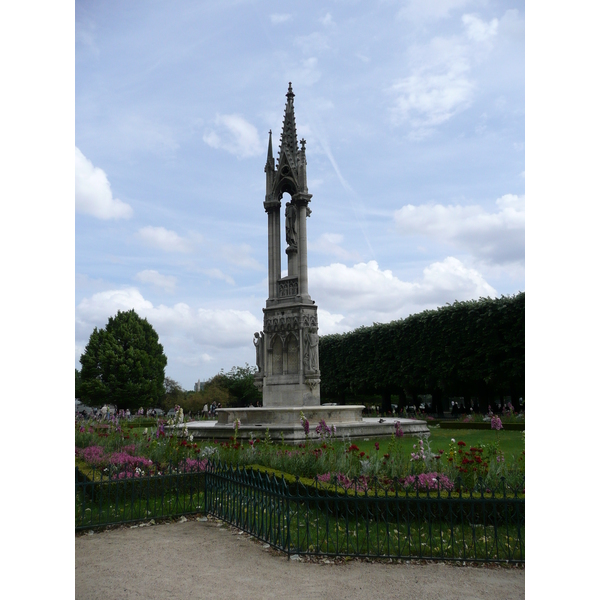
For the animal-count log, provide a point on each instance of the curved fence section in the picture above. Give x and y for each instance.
(384, 521)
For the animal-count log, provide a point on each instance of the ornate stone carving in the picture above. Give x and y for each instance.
(277, 356)
(259, 344)
(309, 321)
(311, 350)
(281, 323)
(312, 383)
(291, 229)
(288, 287)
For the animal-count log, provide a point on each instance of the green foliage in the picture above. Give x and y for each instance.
(466, 348)
(174, 394)
(77, 383)
(123, 364)
(239, 384)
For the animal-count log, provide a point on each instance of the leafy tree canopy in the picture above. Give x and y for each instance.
(239, 382)
(123, 364)
(77, 383)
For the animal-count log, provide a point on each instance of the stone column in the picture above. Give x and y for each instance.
(274, 258)
(301, 201)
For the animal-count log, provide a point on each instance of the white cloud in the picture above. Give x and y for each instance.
(93, 195)
(364, 293)
(162, 238)
(276, 19)
(165, 282)
(313, 43)
(437, 88)
(218, 274)
(235, 135)
(330, 243)
(306, 73)
(512, 25)
(439, 83)
(192, 361)
(421, 10)
(326, 20)
(479, 30)
(497, 237)
(331, 323)
(240, 255)
(176, 325)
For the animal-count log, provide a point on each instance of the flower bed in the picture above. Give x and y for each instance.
(117, 452)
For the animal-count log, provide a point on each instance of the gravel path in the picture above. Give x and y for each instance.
(207, 559)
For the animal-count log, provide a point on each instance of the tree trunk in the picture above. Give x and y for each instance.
(386, 406)
(436, 401)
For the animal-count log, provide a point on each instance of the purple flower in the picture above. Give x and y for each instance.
(496, 423)
(398, 432)
(429, 481)
(305, 424)
(323, 430)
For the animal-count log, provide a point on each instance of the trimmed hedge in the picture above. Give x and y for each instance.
(473, 348)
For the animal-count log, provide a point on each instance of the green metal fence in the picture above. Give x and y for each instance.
(102, 498)
(323, 519)
(312, 518)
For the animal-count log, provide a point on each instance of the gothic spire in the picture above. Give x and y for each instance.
(289, 140)
(270, 162)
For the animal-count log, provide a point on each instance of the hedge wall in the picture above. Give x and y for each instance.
(470, 349)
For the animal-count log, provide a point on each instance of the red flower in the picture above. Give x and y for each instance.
(377, 446)
(362, 454)
(440, 452)
(461, 443)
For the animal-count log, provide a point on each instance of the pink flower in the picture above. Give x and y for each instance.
(496, 423)
(398, 430)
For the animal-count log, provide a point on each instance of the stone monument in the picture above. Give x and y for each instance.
(287, 350)
(287, 355)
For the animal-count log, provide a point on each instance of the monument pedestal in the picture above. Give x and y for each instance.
(285, 424)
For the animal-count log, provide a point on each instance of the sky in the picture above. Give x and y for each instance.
(414, 118)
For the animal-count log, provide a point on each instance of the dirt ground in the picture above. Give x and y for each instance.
(206, 559)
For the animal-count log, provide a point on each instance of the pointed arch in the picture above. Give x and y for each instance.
(276, 355)
(291, 353)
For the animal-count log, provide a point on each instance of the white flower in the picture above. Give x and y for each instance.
(453, 440)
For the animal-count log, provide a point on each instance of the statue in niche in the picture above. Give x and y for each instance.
(311, 350)
(291, 233)
(259, 344)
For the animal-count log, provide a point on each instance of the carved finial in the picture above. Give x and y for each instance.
(303, 144)
(289, 92)
(270, 150)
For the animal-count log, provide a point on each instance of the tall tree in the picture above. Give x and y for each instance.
(123, 364)
(77, 383)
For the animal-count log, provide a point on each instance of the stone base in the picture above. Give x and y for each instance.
(290, 394)
(290, 415)
(285, 424)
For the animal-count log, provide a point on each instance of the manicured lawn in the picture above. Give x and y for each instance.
(511, 442)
